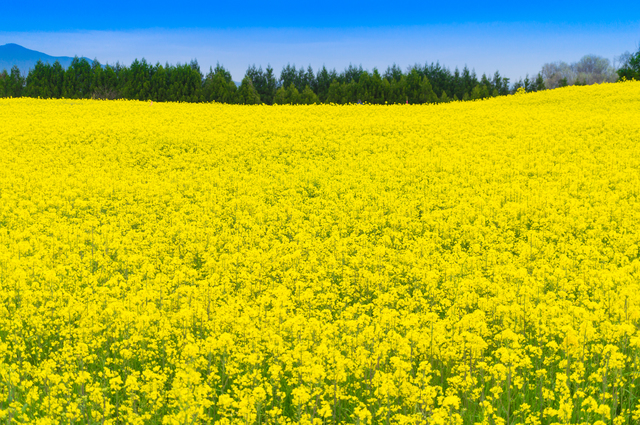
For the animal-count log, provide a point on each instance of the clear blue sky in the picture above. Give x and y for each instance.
(513, 37)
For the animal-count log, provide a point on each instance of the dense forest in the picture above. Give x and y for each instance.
(429, 83)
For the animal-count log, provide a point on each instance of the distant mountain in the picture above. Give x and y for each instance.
(14, 54)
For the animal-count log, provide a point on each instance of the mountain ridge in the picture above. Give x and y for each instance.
(12, 54)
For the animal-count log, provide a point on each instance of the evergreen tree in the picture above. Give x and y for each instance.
(334, 94)
(352, 73)
(308, 97)
(484, 91)
(323, 81)
(439, 76)
(350, 92)
(77, 79)
(4, 77)
(393, 73)
(264, 82)
(458, 85)
(37, 82)
(137, 84)
(527, 83)
(292, 95)
(476, 93)
(184, 82)
(376, 88)
(538, 84)
(158, 83)
(444, 98)
(310, 80)
(419, 90)
(631, 69)
(386, 91)
(288, 76)
(501, 84)
(362, 88)
(281, 96)
(108, 86)
(218, 86)
(518, 84)
(469, 80)
(271, 86)
(484, 81)
(14, 83)
(397, 90)
(247, 93)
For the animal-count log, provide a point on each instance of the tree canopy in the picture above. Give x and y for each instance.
(428, 83)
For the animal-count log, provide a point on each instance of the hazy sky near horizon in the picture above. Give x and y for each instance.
(515, 39)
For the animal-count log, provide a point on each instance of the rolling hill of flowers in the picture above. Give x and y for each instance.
(462, 263)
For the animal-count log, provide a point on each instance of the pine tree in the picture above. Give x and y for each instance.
(323, 81)
(631, 70)
(538, 84)
(4, 77)
(260, 81)
(281, 96)
(292, 95)
(308, 97)
(413, 86)
(334, 94)
(362, 88)
(158, 83)
(397, 90)
(476, 93)
(271, 86)
(37, 82)
(218, 86)
(77, 79)
(484, 91)
(310, 80)
(288, 76)
(247, 93)
(393, 73)
(14, 84)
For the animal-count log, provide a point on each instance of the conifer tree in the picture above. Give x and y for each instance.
(281, 96)
(14, 83)
(247, 93)
(476, 93)
(292, 95)
(158, 83)
(218, 86)
(3, 80)
(334, 94)
(271, 86)
(323, 81)
(308, 97)
(631, 69)
(37, 82)
(538, 84)
(397, 90)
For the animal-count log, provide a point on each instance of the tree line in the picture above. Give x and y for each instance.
(429, 83)
(185, 83)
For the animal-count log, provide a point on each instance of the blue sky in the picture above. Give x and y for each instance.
(515, 38)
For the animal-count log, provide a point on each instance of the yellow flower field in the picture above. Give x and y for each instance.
(459, 263)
